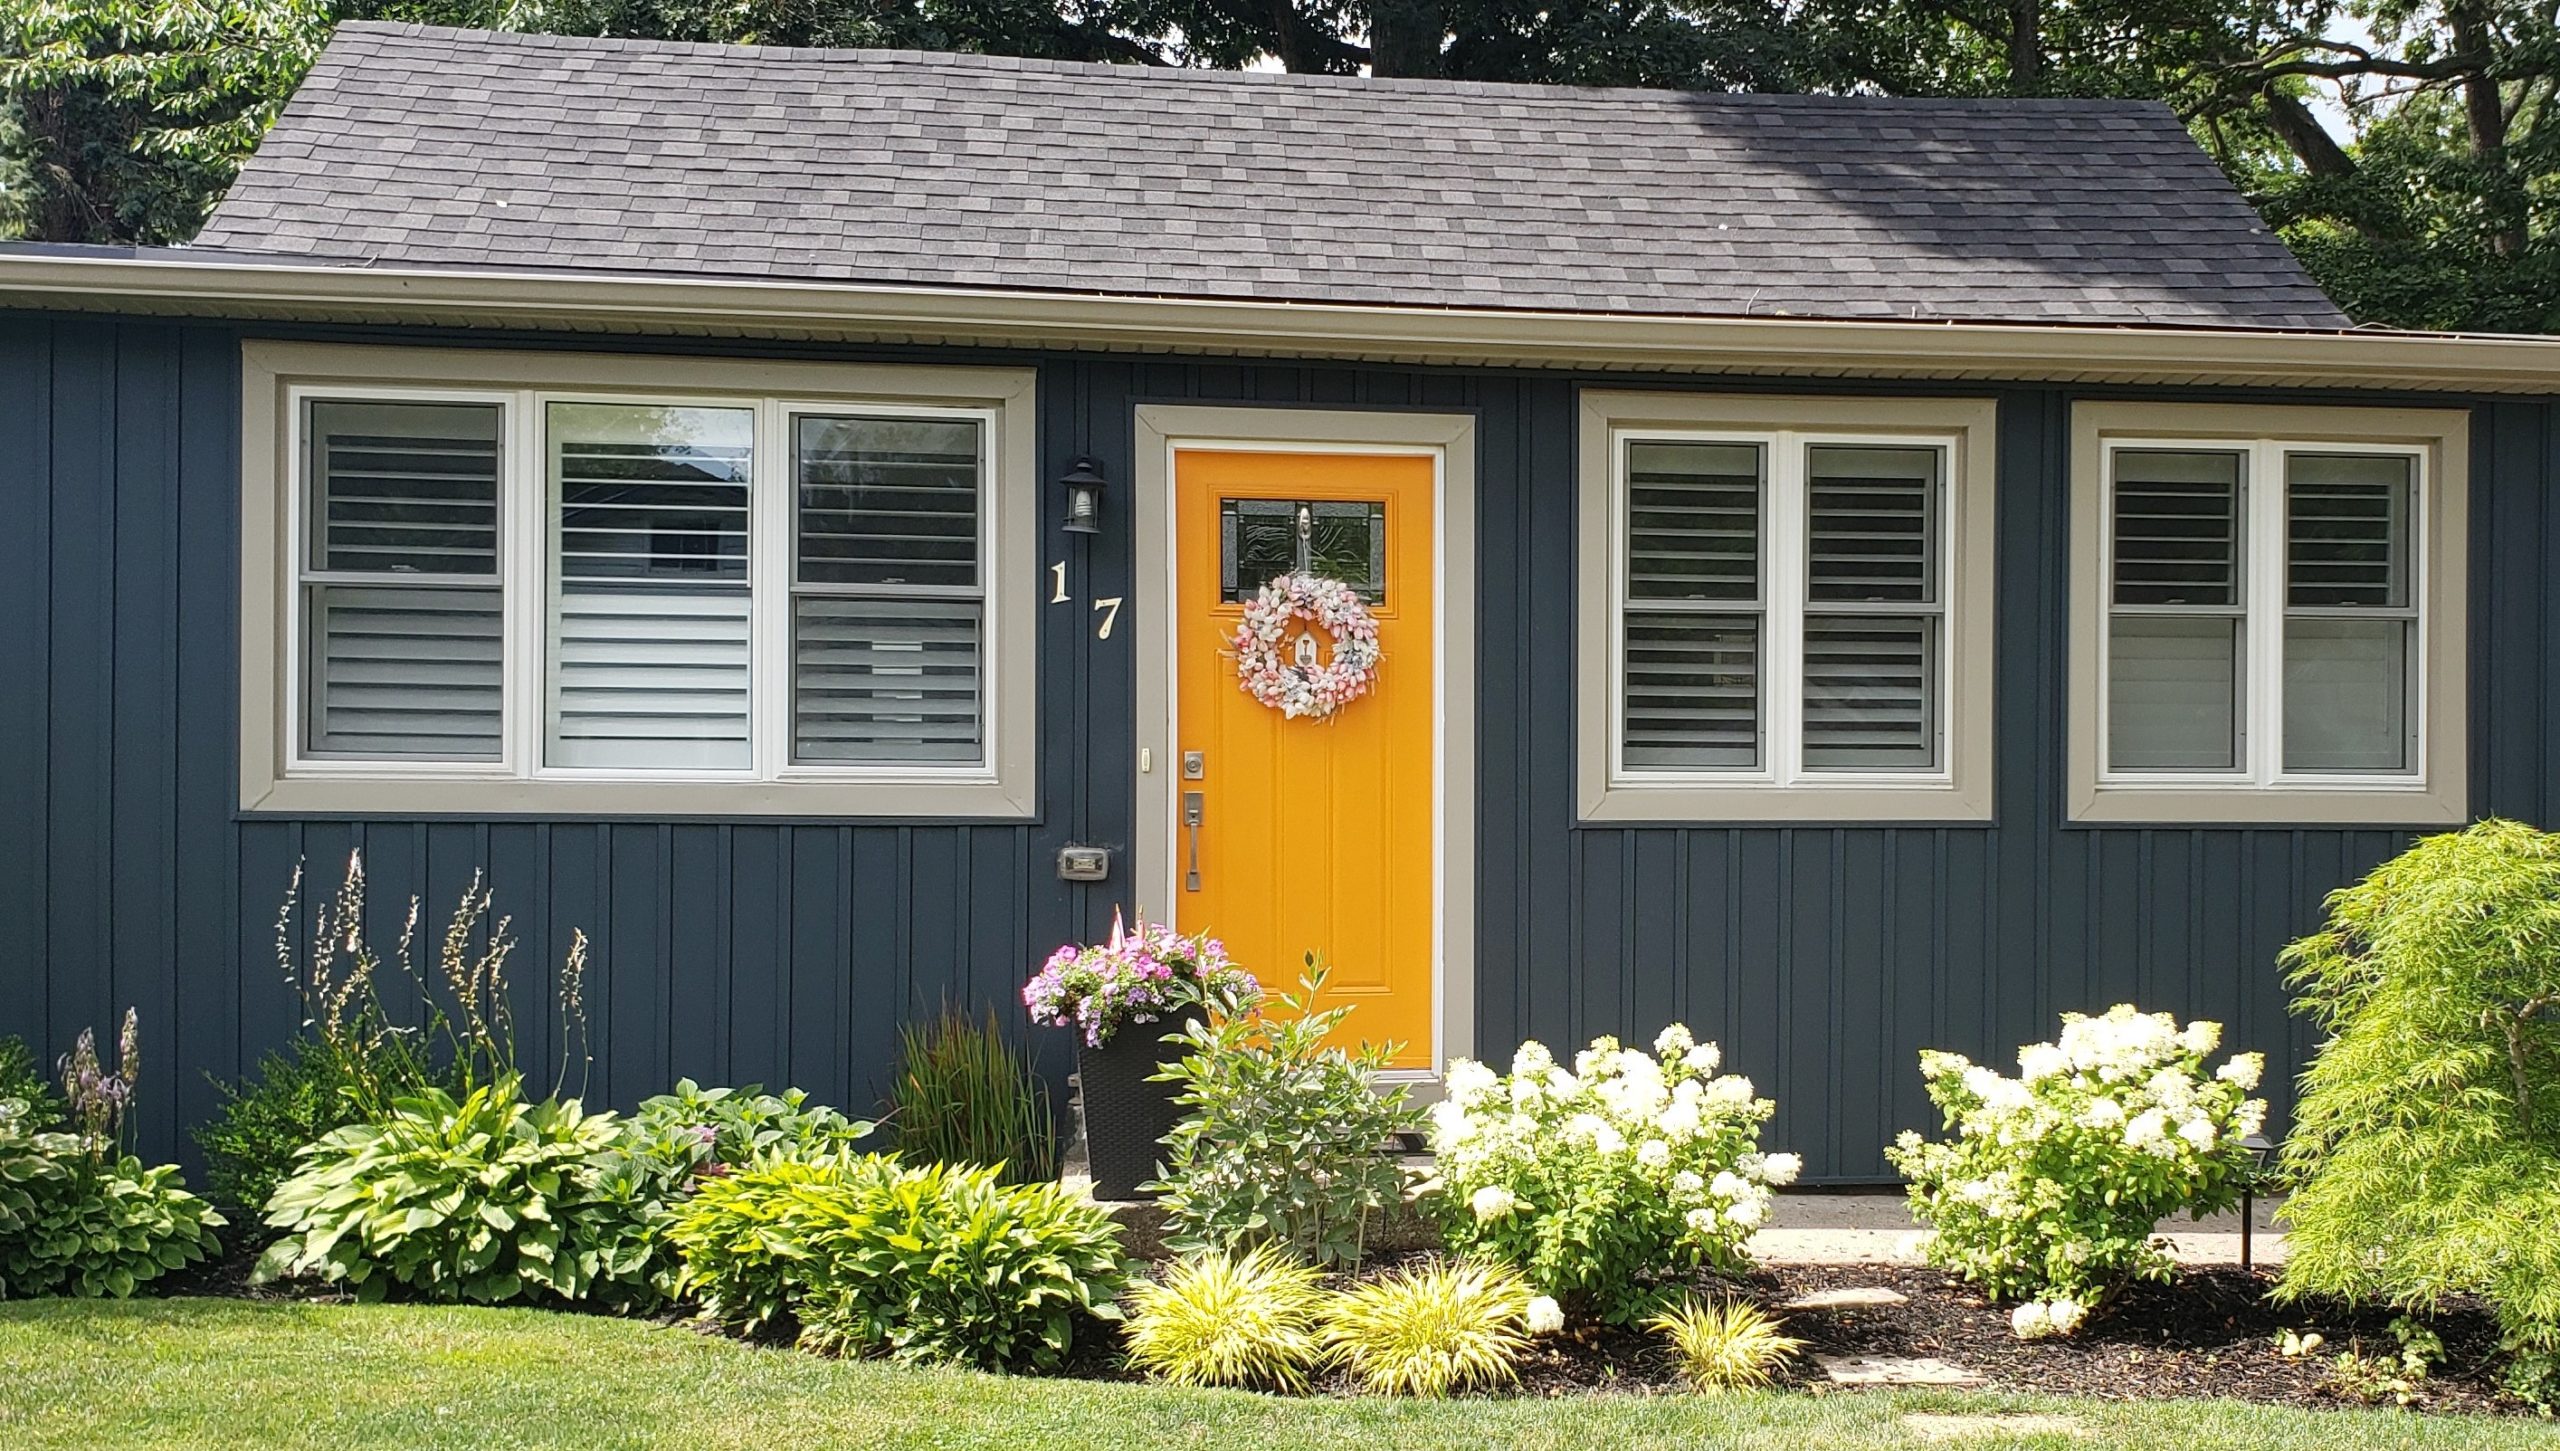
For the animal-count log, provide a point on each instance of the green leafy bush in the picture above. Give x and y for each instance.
(1283, 1139)
(486, 1198)
(751, 1241)
(23, 1079)
(78, 1215)
(939, 1263)
(955, 1268)
(1730, 1346)
(1611, 1180)
(295, 1098)
(2425, 1153)
(1431, 1330)
(1223, 1319)
(963, 1095)
(2055, 1179)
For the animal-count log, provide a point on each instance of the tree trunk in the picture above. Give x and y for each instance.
(1405, 38)
(2026, 47)
(2293, 123)
(2485, 117)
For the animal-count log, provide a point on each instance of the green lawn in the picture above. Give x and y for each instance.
(235, 1376)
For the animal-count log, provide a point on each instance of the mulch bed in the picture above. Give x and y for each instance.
(2210, 1334)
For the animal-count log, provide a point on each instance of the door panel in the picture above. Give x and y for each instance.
(1314, 835)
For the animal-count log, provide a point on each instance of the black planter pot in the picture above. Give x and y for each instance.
(1125, 1116)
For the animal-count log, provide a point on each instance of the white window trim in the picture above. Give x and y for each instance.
(276, 776)
(2259, 790)
(1779, 789)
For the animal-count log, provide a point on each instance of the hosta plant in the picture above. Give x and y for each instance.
(1609, 1180)
(1226, 1319)
(1431, 1330)
(2051, 1182)
(753, 1241)
(1732, 1345)
(950, 1266)
(2425, 1153)
(487, 1198)
(1284, 1138)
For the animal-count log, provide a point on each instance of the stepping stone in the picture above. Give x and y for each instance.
(1861, 1297)
(1932, 1427)
(1894, 1370)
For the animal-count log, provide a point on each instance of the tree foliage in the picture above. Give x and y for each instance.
(2426, 1146)
(2398, 145)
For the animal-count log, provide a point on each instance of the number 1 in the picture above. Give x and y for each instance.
(1059, 570)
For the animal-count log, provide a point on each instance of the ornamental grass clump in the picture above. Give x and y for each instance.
(1732, 1345)
(964, 1095)
(1432, 1330)
(1609, 1181)
(2051, 1185)
(1224, 1319)
(2425, 1154)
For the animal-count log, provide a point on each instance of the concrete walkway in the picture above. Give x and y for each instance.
(1869, 1227)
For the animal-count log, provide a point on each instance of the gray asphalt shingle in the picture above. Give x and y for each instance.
(413, 144)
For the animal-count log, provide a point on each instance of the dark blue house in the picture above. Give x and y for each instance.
(1852, 574)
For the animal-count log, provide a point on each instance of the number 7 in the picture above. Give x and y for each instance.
(1110, 607)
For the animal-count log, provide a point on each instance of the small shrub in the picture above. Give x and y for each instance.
(1431, 1330)
(1610, 1180)
(751, 1241)
(1283, 1138)
(23, 1079)
(1222, 1319)
(2399, 1377)
(486, 1198)
(78, 1215)
(295, 1098)
(2425, 1153)
(963, 1095)
(2055, 1179)
(692, 1132)
(1730, 1346)
(952, 1267)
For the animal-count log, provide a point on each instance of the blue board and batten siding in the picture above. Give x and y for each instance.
(1823, 957)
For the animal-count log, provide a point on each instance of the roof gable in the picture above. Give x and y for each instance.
(427, 146)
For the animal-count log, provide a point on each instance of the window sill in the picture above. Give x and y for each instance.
(1862, 804)
(483, 796)
(2239, 805)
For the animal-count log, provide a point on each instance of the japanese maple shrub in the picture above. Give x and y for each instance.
(1608, 1181)
(2048, 1189)
(2425, 1152)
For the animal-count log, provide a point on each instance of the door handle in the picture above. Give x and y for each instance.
(1191, 803)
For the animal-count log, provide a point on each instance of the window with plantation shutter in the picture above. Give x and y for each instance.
(1783, 603)
(649, 663)
(1693, 613)
(401, 595)
(1871, 608)
(526, 583)
(887, 596)
(2277, 614)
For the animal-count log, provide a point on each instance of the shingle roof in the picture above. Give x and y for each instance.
(419, 145)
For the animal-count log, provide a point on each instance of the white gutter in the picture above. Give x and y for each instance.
(873, 312)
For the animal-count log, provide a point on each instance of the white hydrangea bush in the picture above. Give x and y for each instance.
(2052, 1182)
(1603, 1181)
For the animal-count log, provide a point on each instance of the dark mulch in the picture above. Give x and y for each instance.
(2212, 1333)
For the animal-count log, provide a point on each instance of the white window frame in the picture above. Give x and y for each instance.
(2258, 790)
(1781, 788)
(279, 379)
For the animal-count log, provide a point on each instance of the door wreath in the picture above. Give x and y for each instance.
(1305, 686)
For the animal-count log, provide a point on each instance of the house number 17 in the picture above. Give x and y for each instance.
(1108, 605)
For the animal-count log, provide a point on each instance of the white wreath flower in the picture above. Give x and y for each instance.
(1318, 689)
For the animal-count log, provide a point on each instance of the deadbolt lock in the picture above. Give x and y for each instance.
(1195, 765)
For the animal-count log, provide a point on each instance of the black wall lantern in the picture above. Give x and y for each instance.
(1084, 496)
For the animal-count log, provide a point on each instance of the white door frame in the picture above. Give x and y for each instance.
(1448, 438)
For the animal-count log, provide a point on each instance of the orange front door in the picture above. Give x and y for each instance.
(1313, 835)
